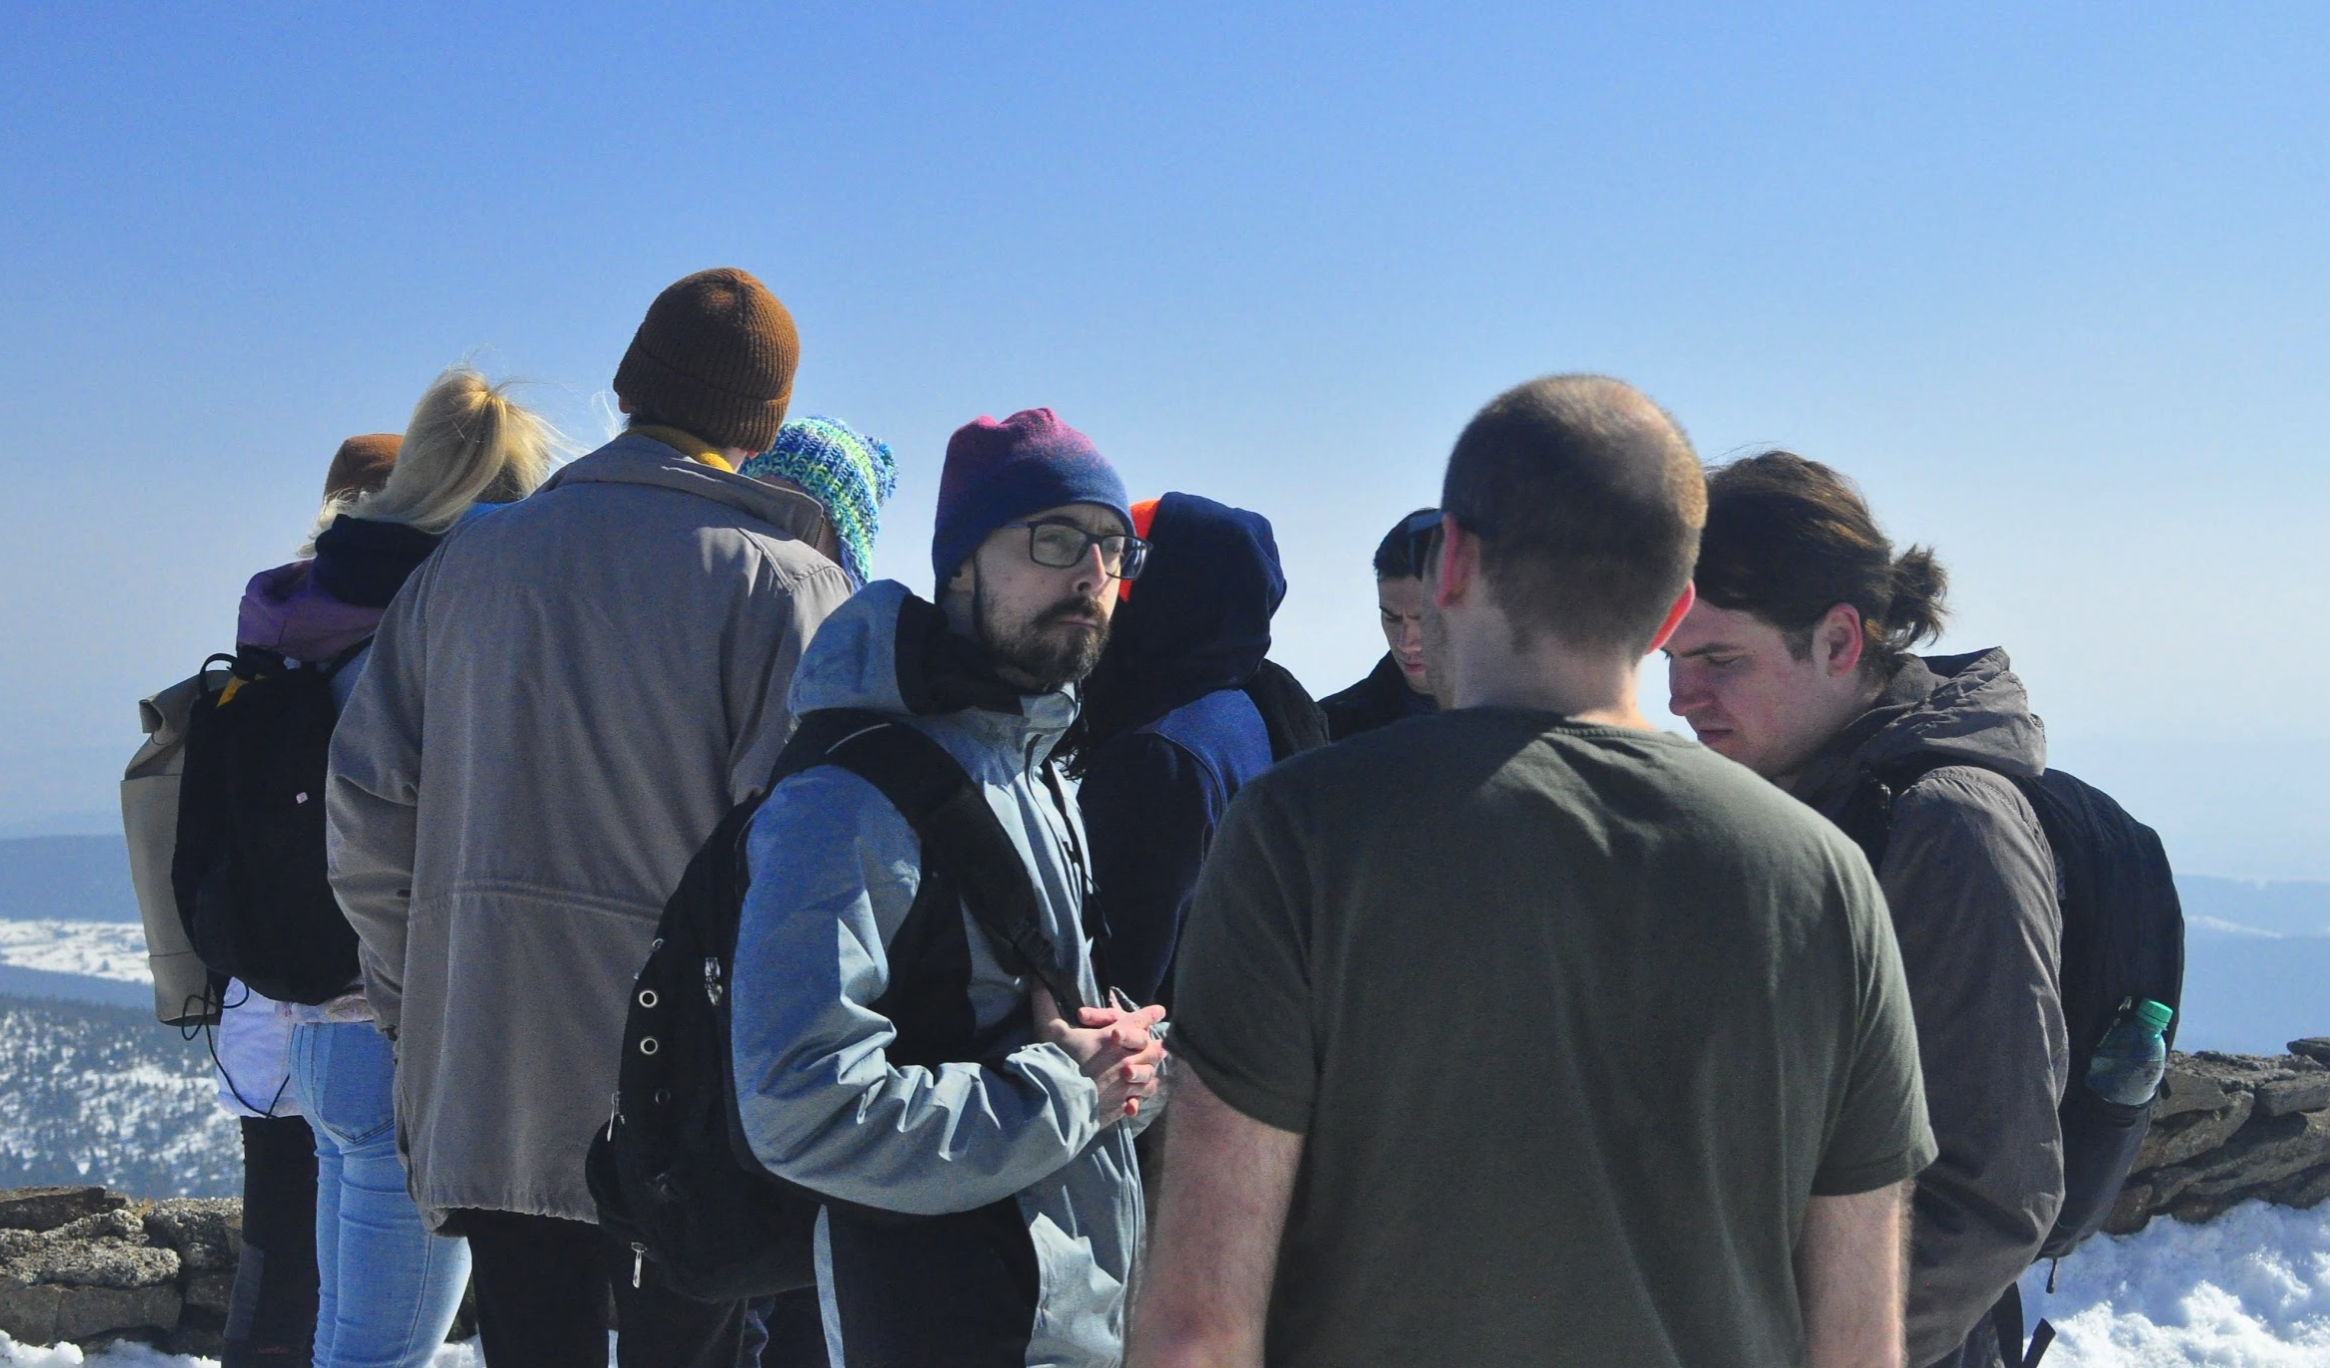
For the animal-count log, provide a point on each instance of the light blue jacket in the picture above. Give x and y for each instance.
(834, 868)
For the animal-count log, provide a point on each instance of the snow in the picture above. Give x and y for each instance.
(106, 950)
(462, 1355)
(2250, 1289)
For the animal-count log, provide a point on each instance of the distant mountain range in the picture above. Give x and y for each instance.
(66, 878)
(2257, 972)
(92, 1094)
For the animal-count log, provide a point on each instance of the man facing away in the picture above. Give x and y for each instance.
(1527, 1032)
(1399, 685)
(560, 706)
(985, 1204)
(1796, 663)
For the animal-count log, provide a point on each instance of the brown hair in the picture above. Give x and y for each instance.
(1788, 539)
(1588, 502)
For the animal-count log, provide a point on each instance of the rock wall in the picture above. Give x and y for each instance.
(2227, 1129)
(92, 1266)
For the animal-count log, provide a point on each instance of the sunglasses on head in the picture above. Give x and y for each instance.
(1422, 531)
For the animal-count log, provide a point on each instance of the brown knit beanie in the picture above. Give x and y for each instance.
(362, 464)
(714, 358)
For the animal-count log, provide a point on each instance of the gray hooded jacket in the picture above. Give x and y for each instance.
(559, 707)
(834, 869)
(1971, 883)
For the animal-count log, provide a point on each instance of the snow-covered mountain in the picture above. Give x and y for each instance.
(95, 1094)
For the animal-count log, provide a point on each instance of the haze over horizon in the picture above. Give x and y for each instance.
(2048, 284)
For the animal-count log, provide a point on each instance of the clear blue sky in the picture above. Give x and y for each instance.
(2049, 282)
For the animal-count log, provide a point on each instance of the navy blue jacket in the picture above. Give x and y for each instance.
(1169, 732)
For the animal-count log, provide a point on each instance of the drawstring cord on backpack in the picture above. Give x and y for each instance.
(209, 1033)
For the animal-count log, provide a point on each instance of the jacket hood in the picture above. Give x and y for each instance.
(286, 611)
(885, 650)
(364, 561)
(1197, 620)
(640, 460)
(1970, 708)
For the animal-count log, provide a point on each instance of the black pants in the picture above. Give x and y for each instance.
(271, 1315)
(542, 1300)
(957, 1290)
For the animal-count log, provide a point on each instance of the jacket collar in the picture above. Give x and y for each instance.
(888, 651)
(1968, 709)
(635, 458)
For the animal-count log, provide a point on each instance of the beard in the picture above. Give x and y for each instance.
(1043, 650)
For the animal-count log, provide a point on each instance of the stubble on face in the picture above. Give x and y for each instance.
(1048, 650)
(1436, 672)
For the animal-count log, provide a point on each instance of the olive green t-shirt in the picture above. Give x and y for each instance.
(1574, 1019)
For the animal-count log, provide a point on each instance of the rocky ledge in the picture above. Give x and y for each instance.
(91, 1266)
(2227, 1129)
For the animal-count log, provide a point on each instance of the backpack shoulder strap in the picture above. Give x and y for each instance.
(957, 828)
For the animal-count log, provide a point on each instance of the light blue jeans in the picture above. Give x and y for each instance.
(387, 1287)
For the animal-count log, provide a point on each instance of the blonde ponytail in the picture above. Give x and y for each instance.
(468, 443)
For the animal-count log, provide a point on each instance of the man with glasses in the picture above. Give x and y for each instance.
(1528, 1032)
(977, 1149)
(1399, 686)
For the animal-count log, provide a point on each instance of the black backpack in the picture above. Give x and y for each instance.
(2123, 940)
(248, 867)
(672, 1171)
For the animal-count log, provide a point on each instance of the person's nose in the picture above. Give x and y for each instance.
(1091, 572)
(1411, 635)
(1684, 694)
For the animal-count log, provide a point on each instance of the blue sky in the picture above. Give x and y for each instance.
(2049, 284)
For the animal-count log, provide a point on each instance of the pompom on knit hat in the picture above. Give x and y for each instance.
(999, 472)
(361, 465)
(714, 357)
(849, 473)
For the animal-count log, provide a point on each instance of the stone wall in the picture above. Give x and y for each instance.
(2230, 1128)
(92, 1266)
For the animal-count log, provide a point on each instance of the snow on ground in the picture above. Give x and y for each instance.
(2250, 1289)
(106, 950)
(462, 1355)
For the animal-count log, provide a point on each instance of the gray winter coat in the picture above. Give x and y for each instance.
(559, 707)
(1971, 883)
(834, 871)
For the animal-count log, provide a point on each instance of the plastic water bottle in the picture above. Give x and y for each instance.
(2128, 1064)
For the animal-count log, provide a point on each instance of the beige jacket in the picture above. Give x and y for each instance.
(559, 707)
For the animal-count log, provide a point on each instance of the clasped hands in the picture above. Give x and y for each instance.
(1113, 1047)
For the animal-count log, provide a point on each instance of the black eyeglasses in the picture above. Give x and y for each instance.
(1422, 531)
(1064, 545)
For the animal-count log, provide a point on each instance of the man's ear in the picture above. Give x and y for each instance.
(1458, 562)
(1840, 640)
(1676, 612)
(622, 405)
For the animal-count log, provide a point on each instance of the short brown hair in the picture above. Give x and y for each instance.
(1588, 501)
(1788, 539)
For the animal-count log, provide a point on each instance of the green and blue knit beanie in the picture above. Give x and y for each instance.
(852, 475)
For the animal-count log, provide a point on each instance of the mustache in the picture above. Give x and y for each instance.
(1070, 607)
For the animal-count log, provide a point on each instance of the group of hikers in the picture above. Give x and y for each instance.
(1462, 1016)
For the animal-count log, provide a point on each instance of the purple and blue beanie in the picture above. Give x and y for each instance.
(849, 473)
(999, 472)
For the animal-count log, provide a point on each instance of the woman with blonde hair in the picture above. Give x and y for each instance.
(388, 1289)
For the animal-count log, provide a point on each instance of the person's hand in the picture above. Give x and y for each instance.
(1112, 1047)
